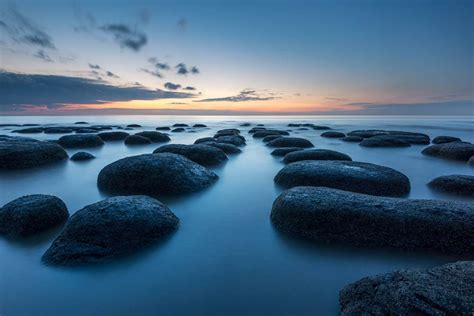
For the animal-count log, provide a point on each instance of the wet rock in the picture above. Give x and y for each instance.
(454, 184)
(345, 175)
(32, 214)
(178, 130)
(290, 142)
(352, 139)
(134, 125)
(410, 137)
(253, 130)
(293, 125)
(245, 124)
(155, 137)
(384, 141)
(227, 132)
(269, 138)
(315, 154)
(330, 215)
(180, 125)
(235, 140)
(333, 135)
(58, 130)
(80, 122)
(111, 228)
(155, 174)
(470, 162)
(445, 139)
(284, 150)
(204, 140)
(29, 130)
(202, 154)
(320, 127)
(163, 128)
(23, 153)
(80, 141)
(82, 155)
(264, 133)
(136, 140)
(444, 290)
(455, 151)
(113, 136)
(199, 125)
(86, 131)
(226, 148)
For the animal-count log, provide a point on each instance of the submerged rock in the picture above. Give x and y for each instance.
(155, 137)
(111, 228)
(205, 140)
(410, 137)
(455, 151)
(155, 174)
(180, 125)
(20, 154)
(86, 131)
(315, 154)
(202, 154)
(352, 139)
(29, 130)
(445, 139)
(269, 138)
(199, 125)
(82, 155)
(134, 125)
(227, 148)
(454, 184)
(80, 141)
(32, 214)
(345, 175)
(235, 140)
(136, 140)
(384, 141)
(444, 290)
(284, 150)
(163, 128)
(58, 130)
(178, 130)
(330, 215)
(290, 142)
(333, 135)
(267, 132)
(113, 136)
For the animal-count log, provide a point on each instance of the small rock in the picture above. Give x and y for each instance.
(178, 130)
(269, 138)
(315, 154)
(264, 133)
(455, 151)
(80, 141)
(202, 154)
(163, 128)
(235, 140)
(445, 139)
(136, 140)
(333, 135)
(134, 125)
(290, 142)
(113, 136)
(284, 150)
(205, 140)
(81, 156)
(155, 137)
(199, 125)
(180, 125)
(454, 184)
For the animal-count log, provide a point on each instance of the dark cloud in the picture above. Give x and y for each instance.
(154, 73)
(126, 36)
(459, 107)
(172, 86)
(92, 66)
(22, 30)
(182, 69)
(182, 23)
(194, 70)
(41, 54)
(244, 95)
(188, 88)
(23, 91)
(110, 74)
(157, 67)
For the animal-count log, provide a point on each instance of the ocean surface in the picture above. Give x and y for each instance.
(225, 258)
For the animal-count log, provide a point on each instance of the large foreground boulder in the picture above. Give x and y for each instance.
(202, 154)
(290, 142)
(32, 214)
(24, 153)
(80, 141)
(454, 184)
(454, 150)
(330, 215)
(444, 290)
(111, 228)
(345, 175)
(315, 154)
(155, 174)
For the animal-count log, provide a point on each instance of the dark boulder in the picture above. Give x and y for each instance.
(384, 141)
(269, 138)
(178, 130)
(110, 228)
(320, 127)
(284, 150)
(199, 125)
(81, 123)
(410, 137)
(253, 130)
(290, 142)
(454, 184)
(330, 215)
(86, 131)
(315, 154)
(245, 124)
(455, 151)
(345, 175)
(235, 140)
(134, 125)
(136, 140)
(444, 290)
(80, 141)
(180, 125)
(82, 155)
(227, 148)
(264, 133)
(352, 139)
(470, 162)
(29, 130)
(227, 132)
(58, 130)
(155, 137)
(333, 135)
(20, 154)
(155, 174)
(32, 214)
(202, 154)
(112, 136)
(204, 140)
(163, 128)
(445, 139)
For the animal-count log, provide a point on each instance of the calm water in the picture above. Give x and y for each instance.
(226, 258)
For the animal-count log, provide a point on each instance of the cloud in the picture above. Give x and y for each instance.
(92, 66)
(188, 88)
(172, 86)
(182, 69)
(21, 92)
(194, 70)
(335, 99)
(110, 74)
(244, 95)
(157, 67)
(154, 73)
(125, 36)
(41, 54)
(22, 30)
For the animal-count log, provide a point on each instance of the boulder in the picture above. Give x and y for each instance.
(180, 125)
(227, 148)
(86, 131)
(333, 135)
(444, 290)
(384, 141)
(163, 128)
(264, 133)
(113, 136)
(178, 130)
(410, 137)
(329, 215)
(136, 140)
(269, 138)
(32, 214)
(82, 155)
(58, 130)
(110, 228)
(315, 154)
(29, 130)
(235, 140)
(155, 137)
(202, 154)
(445, 139)
(20, 154)
(352, 139)
(80, 141)
(284, 150)
(320, 127)
(454, 184)
(455, 151)
(290, 142)
(155, 174)
(134, 125)
(205, 140)
(199, 125)
(245, 124)
(80, 122)
(345, 175)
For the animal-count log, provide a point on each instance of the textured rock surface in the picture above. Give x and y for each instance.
(290, 142)
(227, 148)
(445, 139)
(333, 134)
(136, 140)
(82, 155)
(454, 184)
(455, 151)
(155, 137)
(384, 141)
(112, 136)
(315, 154)
(284, 150)
(80, 141)
(202, 154)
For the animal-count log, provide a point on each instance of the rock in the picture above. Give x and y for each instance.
(110, 228)
(86, 131)
(155, 137)
(293, 125)
(204, 140)
(315, 154)
(29, 130)
(264, 133)
(178, 130)
(320, 128)
(227, 148)
(80, 141)
(245, 124)
(180, 125)
(163, 128)
(227, 132)
(345, 175)
(80, 122)
(235, 140)
(258, 129)
(454, 184)
(19, 154)
(82, 155)
(455, 151)
(284, 150)
(470, 162)
(330, 215)
(112, 136)
(269, 138)
(58, 130)
(384, 141)
(202, 154)
(134, 125)
(155, 174)
(410, 137)
(352, 139)
(31, 214)
(136, 140)
(199, 125)
(445, 139)
(444, 290)
(333, 135)
(290, 142)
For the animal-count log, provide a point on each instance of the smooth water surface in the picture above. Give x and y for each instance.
(225, 258)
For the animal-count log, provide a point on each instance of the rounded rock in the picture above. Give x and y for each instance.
(80, 141)
(290, 142)
(315, 154)
(284, 150)
(454, 184)
(456, 151)
(445, 139)
(82, 155)
(333, 135)
(136, 140)
(202, 154)
(20, 154)
(155, 137)
(113, 136)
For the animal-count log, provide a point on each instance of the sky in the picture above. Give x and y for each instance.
(378, 57)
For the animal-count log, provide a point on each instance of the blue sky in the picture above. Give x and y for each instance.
(328, 57)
